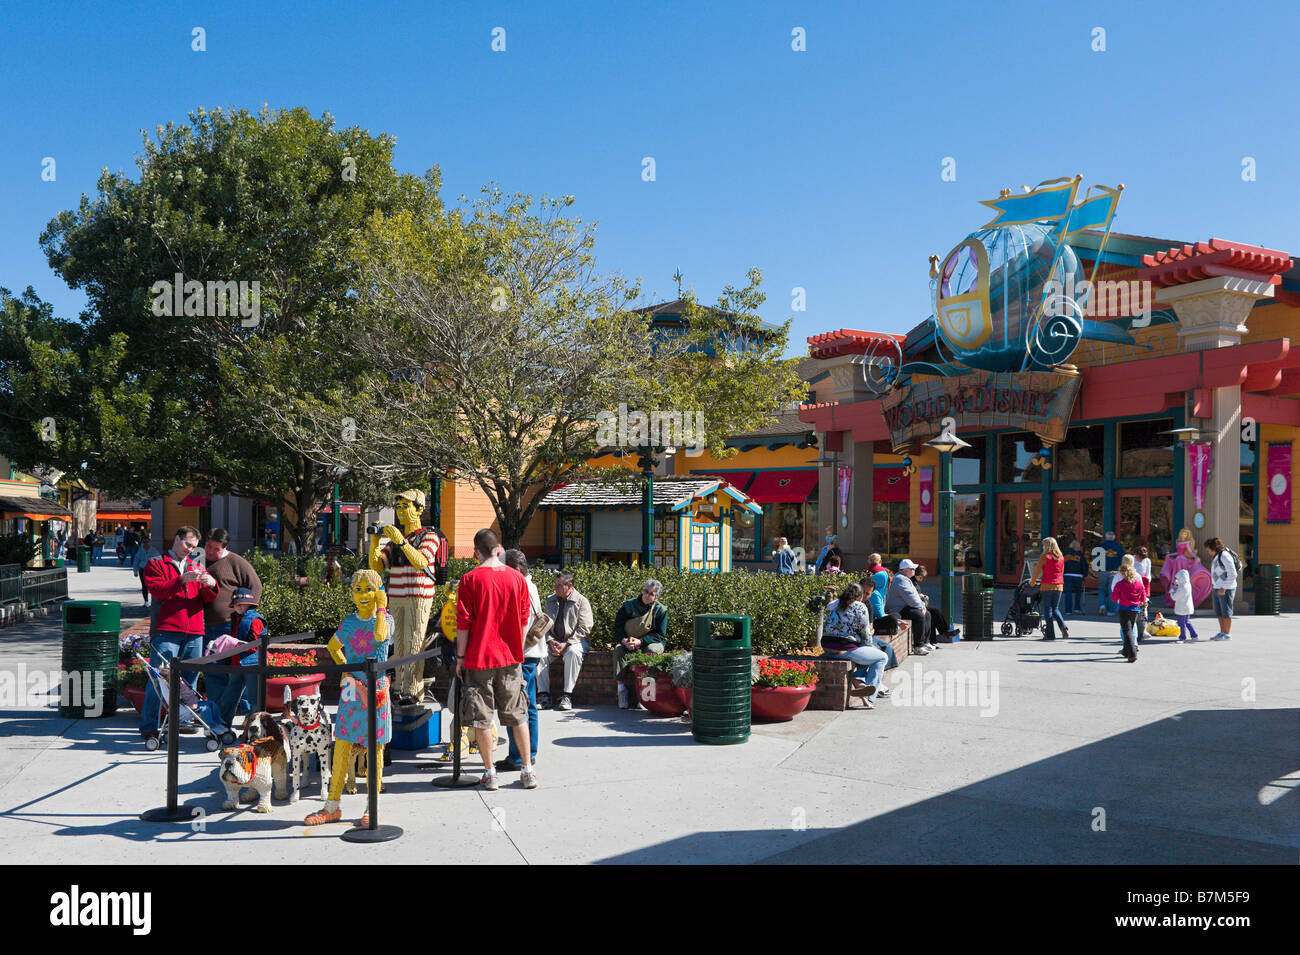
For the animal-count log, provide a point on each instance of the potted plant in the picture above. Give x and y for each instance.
(132, 679)
(654, 683)
(781, 689)
(299, 684)
(131, 645)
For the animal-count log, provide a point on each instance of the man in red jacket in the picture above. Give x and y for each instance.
(180, 586)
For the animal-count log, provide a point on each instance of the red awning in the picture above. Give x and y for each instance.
(328, 508)
(194, 499)
(783, 487)
(890, 485)
(737, 479)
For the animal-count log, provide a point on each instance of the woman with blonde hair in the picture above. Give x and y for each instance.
(1129, 595)
(1050, 570)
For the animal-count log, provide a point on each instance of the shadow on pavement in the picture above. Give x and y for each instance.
(1182, 790)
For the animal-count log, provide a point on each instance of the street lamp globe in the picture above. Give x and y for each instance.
(946, 443)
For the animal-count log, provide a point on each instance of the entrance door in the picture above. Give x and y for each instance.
(1020, 532)
(1078, 517)
(1147, 517)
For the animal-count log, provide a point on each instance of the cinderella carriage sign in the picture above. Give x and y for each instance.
(1009, 310)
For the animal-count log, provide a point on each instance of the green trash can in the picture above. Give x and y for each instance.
(1268, 589)
(721, 664)
(977, 607)
(84, 554)
(90, 651)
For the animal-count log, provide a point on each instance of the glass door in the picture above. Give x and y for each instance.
(1147, 517)
(1078, 517)
(1020, 533)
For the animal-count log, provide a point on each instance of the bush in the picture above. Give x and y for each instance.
(776, 604)
(18, 549)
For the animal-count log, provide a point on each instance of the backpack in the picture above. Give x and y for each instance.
(440, 563)
(1236, 561)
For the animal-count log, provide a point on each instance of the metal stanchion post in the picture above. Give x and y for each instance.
(375, 832)
(454, 781)
(172, 812)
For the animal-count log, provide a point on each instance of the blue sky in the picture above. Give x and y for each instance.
(821, 167)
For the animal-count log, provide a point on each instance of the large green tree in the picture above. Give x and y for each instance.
(276, 199)
(498, 351)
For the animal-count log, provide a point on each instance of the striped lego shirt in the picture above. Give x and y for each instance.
(405, 580)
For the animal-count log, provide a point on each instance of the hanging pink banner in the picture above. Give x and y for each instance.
(927, 497)
(846, 479)
(1200, 457)
(1279, 484)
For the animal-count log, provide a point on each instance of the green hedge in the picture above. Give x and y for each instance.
(776, 604)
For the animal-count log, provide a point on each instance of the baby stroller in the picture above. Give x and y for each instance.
(1023, 617)
(193, 707)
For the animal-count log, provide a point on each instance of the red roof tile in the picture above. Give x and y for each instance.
(846, 341)
(1203, 260)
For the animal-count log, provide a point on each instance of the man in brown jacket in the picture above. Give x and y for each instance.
(232, 573)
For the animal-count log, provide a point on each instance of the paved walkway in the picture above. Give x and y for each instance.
(1192, 755)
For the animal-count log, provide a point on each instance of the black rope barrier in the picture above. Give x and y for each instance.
(173, 812)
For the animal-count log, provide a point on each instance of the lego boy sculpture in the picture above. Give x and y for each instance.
(407, 554)
(361, 636)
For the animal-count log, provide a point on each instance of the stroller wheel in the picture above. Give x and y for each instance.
(151, 743)
(1006, 628)
(228, 738)
(212, 743)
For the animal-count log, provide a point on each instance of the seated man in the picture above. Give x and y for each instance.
(903, 601)
(571, 612)
(641, 625)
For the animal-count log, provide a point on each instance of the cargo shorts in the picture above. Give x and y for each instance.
(499, 690)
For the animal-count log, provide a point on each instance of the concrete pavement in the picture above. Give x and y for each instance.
(1005, 751)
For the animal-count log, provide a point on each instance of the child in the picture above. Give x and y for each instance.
(1183, 606)
(230, 692)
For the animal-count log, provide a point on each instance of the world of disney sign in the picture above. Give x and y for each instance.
(1036, 401)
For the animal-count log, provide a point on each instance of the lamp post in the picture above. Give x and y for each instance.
(648, 461)
(946, 443)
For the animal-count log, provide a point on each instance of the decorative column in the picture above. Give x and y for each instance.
(1212, 287)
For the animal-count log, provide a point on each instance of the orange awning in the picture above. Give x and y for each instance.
(123, 515)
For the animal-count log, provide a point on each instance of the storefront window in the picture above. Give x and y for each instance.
(785, 520)
(1016, 452)
(890, 527)
(968, 526)
(1079, 457)
(743, 542)
(1144, 452)
(968, 463)
(812, 529)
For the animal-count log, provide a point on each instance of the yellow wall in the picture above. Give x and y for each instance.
(755, 460)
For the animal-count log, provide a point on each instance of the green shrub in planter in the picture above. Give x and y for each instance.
(777, 604)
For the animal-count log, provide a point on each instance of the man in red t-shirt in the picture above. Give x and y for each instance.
(492, 609)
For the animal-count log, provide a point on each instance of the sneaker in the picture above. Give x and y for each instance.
(543, 701)
(528, 778)
(883, 693)
(1219, 636)
(933, 646)
(565, 703)
(1196, 639)
(1065, 632)
(622, 697)
(921, 651)
(505, 766)
(489, 781)
(633, 701)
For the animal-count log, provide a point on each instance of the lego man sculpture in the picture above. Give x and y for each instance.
(361, 636)
(408, 555)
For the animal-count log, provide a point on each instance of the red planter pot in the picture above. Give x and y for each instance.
(136, 695)
(776, 704)
(684, 694)
(659, 698)
(304, 685)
